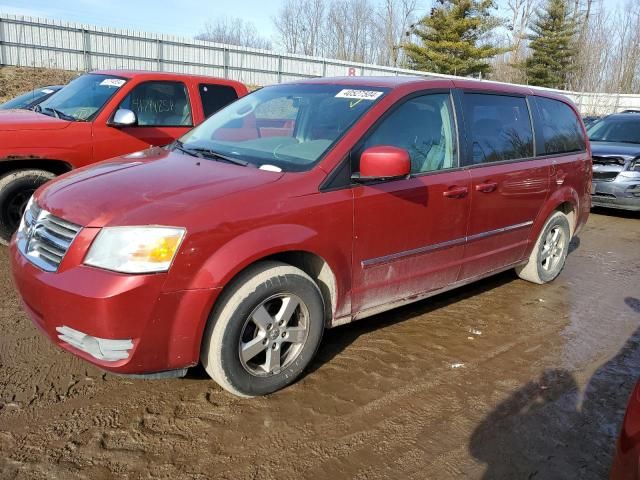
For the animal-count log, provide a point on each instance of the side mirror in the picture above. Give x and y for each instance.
(124, 118)
(383, 163)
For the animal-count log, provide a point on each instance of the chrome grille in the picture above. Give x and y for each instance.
(44, 238)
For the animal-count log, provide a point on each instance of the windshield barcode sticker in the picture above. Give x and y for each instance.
(112, 82)
(359, 94)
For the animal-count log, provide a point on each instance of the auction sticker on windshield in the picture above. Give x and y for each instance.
(359, 94)
(112, 82)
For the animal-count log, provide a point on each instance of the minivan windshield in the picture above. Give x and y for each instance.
(83, 98)
(623, 128)
(283, 127)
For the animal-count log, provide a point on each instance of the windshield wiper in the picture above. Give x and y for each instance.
(56, 113)
(60, 114)
(207, 153)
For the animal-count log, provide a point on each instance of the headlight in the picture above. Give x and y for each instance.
(26, 209)
(135, 249)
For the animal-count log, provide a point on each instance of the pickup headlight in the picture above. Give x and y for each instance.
(135, 249)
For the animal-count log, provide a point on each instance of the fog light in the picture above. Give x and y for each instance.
(100, 348)
(634, 190)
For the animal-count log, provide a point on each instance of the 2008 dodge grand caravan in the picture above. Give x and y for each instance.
(297, 208)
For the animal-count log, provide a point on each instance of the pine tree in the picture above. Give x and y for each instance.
(553, 46)
(453, 38)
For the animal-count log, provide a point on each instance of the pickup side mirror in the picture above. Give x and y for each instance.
(124, 118)
(383, 163)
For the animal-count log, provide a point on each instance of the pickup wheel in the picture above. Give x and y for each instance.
(549, 254)
(264, 331)
(16, 189)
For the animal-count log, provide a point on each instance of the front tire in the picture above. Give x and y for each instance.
(265, 330)
(549, 254)
(16, 189)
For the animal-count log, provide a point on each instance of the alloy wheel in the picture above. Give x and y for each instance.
(274, 334)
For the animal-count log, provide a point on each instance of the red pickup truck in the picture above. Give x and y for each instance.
(97, 116)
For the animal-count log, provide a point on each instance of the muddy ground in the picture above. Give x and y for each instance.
(502, 379)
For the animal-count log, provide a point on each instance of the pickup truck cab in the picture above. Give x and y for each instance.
(300, 207)
(97, 116)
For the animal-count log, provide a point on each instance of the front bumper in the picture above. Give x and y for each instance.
(164, 328)
(618, 194)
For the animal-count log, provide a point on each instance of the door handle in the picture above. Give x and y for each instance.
(486, 187)
(456, 192)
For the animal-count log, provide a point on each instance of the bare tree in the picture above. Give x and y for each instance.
(396, 17)
(357, 30)
(234, 31)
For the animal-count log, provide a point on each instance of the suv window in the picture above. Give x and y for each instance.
(214, 97)
(424, 126)
(499, 126)
(161, 104)
(561, 129)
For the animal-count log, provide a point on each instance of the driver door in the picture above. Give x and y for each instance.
(409, 233)
(163, 113)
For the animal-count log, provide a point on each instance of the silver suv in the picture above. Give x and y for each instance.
(615, 142)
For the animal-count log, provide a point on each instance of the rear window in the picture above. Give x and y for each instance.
(499, 126)
(214, 97)
(561, 130)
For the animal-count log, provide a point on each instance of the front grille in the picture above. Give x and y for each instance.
(44, 238)
(605, 176)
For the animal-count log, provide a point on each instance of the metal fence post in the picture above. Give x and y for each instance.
(86, 49)
(160, 55)
(279, 68)
(324, 68)
(3, 51)
(225, 61)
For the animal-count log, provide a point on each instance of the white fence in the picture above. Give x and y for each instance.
(38, 42)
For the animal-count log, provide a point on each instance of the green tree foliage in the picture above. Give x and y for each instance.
(453, 38)
(553, 46)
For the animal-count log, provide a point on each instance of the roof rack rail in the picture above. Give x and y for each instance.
(631, 110)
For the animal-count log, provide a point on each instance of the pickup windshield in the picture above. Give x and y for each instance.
(82, 99)
(283, 127)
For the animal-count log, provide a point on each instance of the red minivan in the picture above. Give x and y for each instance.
(300, 207)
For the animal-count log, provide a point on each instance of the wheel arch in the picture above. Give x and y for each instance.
(565, 200)
(57, 167)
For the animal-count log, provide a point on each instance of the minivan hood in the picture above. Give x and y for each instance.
(604, 149)
(153, 187)
(12, 120)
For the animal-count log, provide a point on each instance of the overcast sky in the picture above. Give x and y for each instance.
(183, 18)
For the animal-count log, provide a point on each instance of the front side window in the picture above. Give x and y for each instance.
(285, 127)
(624, 128)
(82, 99)
(424, 126)
(159, 104)
(214, 97)
(499, 127)
(561, 129)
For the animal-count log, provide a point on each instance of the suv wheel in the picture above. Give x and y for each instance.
(548, 256)
(265, 330)
(15, 190)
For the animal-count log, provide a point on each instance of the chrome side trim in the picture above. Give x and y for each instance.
(517, 226)
(416, 251)
(371, 262)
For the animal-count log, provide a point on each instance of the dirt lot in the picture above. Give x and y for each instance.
(502, 379)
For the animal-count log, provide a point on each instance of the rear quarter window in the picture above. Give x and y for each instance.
(559, 128)
(215, 97)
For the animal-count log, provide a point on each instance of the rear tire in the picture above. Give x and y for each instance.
(549, 254)
(265, 330)
(15, 190)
